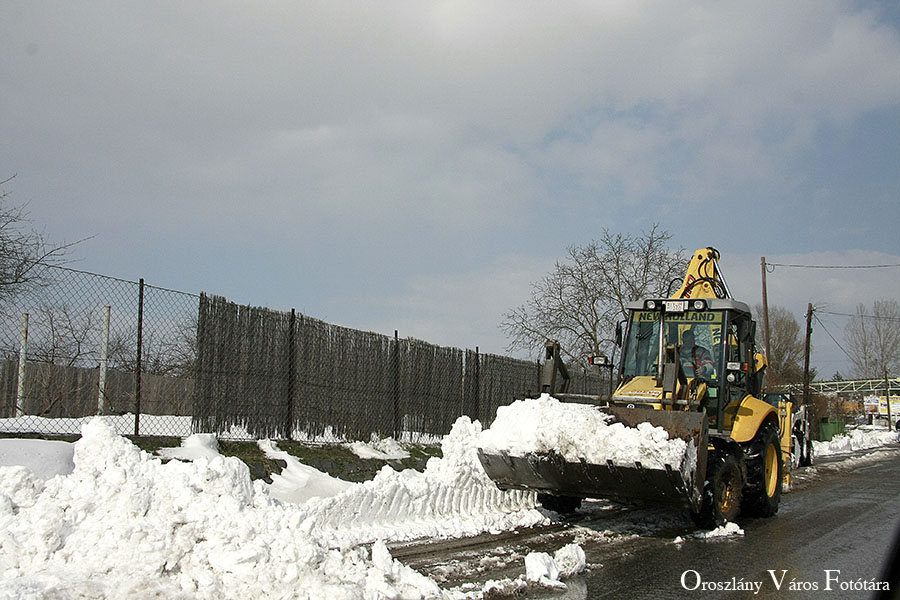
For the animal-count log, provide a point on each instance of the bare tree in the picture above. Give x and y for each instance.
(23, 251)
(64, 335)
(873, 339)
(171, 352)
(581, 300)
(786, 346)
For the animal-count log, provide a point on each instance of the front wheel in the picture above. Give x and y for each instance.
(765, 471)
(722, 491)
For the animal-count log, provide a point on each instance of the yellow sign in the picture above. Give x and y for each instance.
(647, 316)
(895, 406)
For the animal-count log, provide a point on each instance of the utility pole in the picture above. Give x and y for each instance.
(887, 394)
(809, 314)
(765, 300)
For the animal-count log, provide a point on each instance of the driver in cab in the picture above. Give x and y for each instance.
(697, 360)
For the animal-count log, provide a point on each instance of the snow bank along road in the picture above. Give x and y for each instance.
(101, 519)
(111, 521)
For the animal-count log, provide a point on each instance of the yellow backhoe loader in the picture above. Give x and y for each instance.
(689, 364)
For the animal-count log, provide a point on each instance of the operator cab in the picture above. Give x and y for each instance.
(689, 354)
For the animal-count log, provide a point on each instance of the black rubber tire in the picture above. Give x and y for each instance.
(765, 473)
(722, 491)
(561, 504)
(806, 458)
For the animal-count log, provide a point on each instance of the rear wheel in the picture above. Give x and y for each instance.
(722, 491)
(762, 495)
(561, 504)
(806, 458)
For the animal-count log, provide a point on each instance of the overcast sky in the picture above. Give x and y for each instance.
(417, 165)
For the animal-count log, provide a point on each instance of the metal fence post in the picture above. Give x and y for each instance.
(396, 386)
(104, 362)
(292, 375)
(477, 398)
(138, 366)
(20, 390)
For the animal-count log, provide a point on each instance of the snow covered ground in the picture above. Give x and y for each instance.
(99, 518)
(861, 438)
(122, 424)
(180, 426)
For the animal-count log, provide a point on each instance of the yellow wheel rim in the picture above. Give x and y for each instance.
(771, 465)
(727, 496)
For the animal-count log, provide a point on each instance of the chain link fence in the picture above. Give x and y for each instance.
(70, 350)
(167, 363)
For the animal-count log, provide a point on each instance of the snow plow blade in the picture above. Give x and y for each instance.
(672, 485)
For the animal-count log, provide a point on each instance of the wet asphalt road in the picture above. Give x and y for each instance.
(835, 528)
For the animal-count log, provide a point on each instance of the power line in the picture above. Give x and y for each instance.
(894, 319)
(768, 264)
(819, 321)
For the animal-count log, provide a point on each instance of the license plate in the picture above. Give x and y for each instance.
(676, 305)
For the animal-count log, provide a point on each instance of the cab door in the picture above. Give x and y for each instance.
(737, 353)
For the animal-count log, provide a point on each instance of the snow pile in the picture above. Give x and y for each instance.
(581, 431)
(381, 449)
(125, 524)
(727, 530)
(199, 445)
(43, 458)
(549, 570)
(452, 498)
(857, 439)
(298, 483)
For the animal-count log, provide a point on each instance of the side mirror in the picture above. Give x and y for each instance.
(760, 362)
(619, 334)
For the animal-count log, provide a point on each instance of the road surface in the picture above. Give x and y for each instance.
(831, 538)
